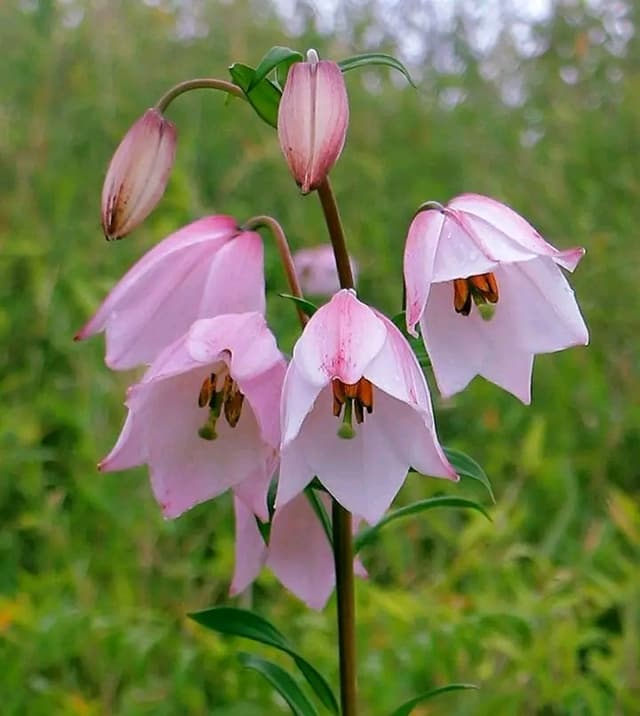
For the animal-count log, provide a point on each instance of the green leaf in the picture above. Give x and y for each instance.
(408, 706)
(308, 308)
(375, 58)
(468, 467)
(282, 682)
(274, 58)
(264, 96)
(370, 533)
(249, 625)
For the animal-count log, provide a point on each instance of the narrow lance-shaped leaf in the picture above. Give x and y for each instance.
(264, 97)
(370, 533)
(249, 625)
(274, 58)
(307, 307)
(467, 467)
(375, 58)
(282, 682)
(408, 706)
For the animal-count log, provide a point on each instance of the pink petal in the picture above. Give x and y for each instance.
(363, 474)
(461, 347)
(164, 417)
(235, 282)
(396, 370)
(546, 317)
(129, 450)
(187, 470)
(504, 235)
(300, 554)
(253, 492)
(246, 344)
(251, 551)
(298, 397)
(419, 258)
(159, 297)
(339, 341)
(312, 121)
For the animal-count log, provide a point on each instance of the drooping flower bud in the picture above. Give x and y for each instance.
(138, 174)
(312, 120)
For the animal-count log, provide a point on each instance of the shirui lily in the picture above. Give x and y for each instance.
(488, 293)
(138, 174)
(204, 416)
(312, 120)
(352, 365)
(207, 268)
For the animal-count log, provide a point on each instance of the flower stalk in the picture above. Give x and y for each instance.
(268, 222)
(341, 518)
(197, 83)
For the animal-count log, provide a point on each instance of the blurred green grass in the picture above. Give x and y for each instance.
(539, 607)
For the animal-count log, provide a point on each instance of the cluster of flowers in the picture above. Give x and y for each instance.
(219, 406)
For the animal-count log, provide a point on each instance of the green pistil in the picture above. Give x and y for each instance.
(346, 431)
(486, 311)
(208, 430)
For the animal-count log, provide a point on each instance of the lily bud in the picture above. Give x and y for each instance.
(312, 120)
(138, 174)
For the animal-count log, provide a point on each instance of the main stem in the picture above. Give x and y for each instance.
(343, 557)
(341, 518)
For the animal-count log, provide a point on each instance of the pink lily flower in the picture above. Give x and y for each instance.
(138, 174)
(312, 120)
(351, 361)
(203, 417)
(488, 293)
(298, 553)
(316, 270)
(207, 268)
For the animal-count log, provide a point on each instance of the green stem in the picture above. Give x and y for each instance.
(341, 518)
(198, 83)
(343, 557)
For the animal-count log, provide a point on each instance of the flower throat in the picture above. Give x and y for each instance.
(227, 399)
(354, 398)
(482, 289)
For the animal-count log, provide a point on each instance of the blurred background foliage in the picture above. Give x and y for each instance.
(537, 105)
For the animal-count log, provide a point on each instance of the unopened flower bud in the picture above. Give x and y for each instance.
(313, 119)
(138, 174)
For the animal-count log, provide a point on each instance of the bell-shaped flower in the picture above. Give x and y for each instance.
(204, 417)
(138, 174)
(316, 270)
(207, 268)
(312, 120)
(352, 365)
(298, 551)
(488, 293)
